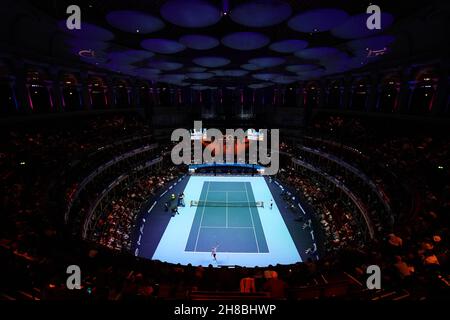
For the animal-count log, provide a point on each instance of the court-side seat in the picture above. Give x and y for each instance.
(336, 290)
(305, 293)
(227, 295)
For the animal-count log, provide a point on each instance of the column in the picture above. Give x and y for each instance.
(411, 87)
(12, 87)
(373, 93)
(404, 90)
(85, 92)
(24, 101)
(441, 95)
(54, 90)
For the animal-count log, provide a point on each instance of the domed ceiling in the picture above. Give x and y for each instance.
(227, 43)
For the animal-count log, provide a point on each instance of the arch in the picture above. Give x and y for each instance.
(38, 90)
(389, 90)
(424, 87)
(359, 93)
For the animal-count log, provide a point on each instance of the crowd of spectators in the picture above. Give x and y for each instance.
(114, 228)
(35, 250)
(334, 213)
(417, 250)
(33, 157)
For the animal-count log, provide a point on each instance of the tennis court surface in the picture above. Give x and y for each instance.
(227, 216)
(232, 212)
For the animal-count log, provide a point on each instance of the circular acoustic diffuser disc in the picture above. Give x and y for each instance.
(235, 73)
(200, 75)
(261, 13)
(197, 69)
(266, 76)
(318, 20)
(267, 62)
(355, 27)
(372, 43)
(302, 67)
(211, 62)
(288, 46)
(245, 40)
(134, 21)
(163, 46)
(129, 56)
(284, 79)
(260, 85)
(165, 65)
(251, 67)
(199, 42)
(190, 13)
(317, 53)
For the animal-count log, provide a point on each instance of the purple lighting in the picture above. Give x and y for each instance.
(163, 46)
(88, 32)
(245, 40)
(267, 62)
(302, 67)
(200, 75)
(235, 73)
(288, 46)
(261, 13)
(375, 43)
(317, 53)
(131, 21)
(199, 42)
(197, 69)
(211, 62)
(355, 27)
(318, 20)
(129, 56)
(251, 67)
(266, 76)
(285, 79)
(190, 13)
(165, 65)
(260, 85)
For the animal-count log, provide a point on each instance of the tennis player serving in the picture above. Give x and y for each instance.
(214, 251)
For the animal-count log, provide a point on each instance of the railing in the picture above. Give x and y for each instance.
(356, 172)
(90, 215)
(102, 168)
(361, 207)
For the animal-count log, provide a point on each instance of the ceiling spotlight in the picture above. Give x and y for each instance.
(137, 30)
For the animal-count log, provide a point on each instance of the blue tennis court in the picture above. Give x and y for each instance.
(227, 217)
(233, 213)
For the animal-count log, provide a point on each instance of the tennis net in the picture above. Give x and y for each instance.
(208, 203)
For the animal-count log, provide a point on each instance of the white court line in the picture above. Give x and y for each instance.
(227, 252)
(251, 216)
(201, 219)
(211, 227)
(163, 193)
(151, 208)
(213, 191)
(226, 210)
(301, 208)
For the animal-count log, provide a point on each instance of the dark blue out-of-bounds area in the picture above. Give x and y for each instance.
(231, 228)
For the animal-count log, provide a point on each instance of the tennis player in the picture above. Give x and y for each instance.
(214, 252)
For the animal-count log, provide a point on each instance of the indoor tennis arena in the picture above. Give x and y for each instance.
(197, 151)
